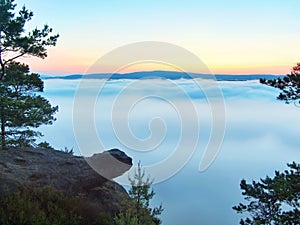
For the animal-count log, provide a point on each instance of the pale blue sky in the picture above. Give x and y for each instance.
(229, 36)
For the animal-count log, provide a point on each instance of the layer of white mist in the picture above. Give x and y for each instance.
(261, 135)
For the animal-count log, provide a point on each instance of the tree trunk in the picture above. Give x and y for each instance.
(3, 141)
(2, 73)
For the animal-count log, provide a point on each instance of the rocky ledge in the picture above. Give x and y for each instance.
(63, 171)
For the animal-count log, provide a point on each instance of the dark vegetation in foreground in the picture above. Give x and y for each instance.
(45, 186)
(48, 206)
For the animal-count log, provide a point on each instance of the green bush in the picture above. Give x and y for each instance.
(45, 145)
(47, 206)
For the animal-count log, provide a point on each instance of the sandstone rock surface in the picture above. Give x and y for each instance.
(62, 171)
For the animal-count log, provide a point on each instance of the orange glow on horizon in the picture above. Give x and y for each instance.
(65, 65)
(65, 69)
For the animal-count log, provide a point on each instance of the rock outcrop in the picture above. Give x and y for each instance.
(62, 171)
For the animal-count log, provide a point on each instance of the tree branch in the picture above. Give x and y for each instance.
(13, 58)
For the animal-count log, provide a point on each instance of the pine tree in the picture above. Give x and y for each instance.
(138, 211)
(15, 42)
(289, 85)
(272, 200)
(21, 109)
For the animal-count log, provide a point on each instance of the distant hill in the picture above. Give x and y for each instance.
(172, 75)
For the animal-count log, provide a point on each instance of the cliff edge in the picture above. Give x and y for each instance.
(71, 174)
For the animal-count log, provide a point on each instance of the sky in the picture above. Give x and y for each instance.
(232, 37)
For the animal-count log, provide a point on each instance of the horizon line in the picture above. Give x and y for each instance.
(167, 71)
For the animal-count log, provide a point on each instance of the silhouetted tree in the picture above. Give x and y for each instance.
(273, 200)
(289, 85)
(139, 212)
(14, 41)
(21, 108)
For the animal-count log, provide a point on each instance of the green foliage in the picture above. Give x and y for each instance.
(47, 206)
(289, 85)
(45, 145)
(140, 212)
(68, 151)
(38, 206)
(15, 42)
(127, 218)
(20, 108)
(273, 200)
